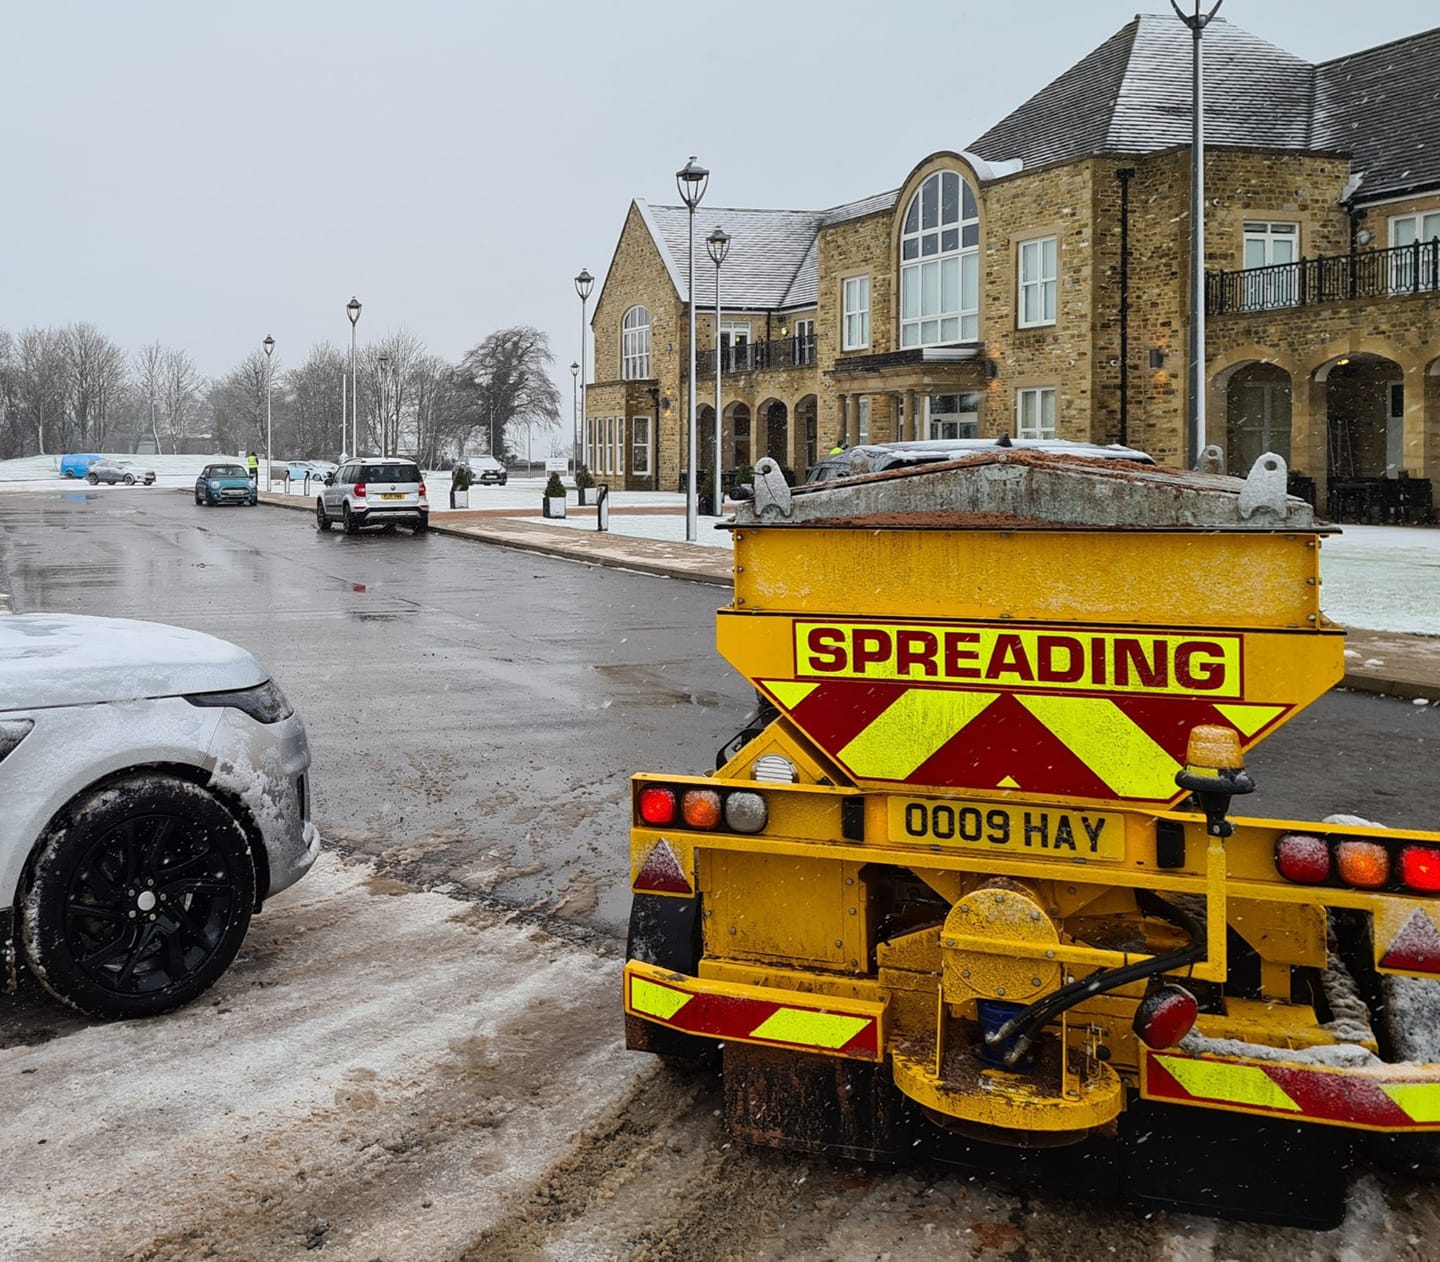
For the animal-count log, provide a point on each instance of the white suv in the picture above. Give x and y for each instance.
(374, 490)
(155, 794)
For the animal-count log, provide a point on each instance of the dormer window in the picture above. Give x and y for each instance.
(940, 264)
(635, 344)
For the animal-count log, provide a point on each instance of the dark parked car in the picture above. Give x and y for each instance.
(225, 483)
(113, 471)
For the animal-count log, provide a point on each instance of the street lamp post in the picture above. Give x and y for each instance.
(718, 243)
(269, 345)
(575, 414)
(583, 284)
(692, 181)
(1197, 22)
(352, 309)
(384, 361)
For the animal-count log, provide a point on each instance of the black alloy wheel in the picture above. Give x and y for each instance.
(128, 479)
(322, 522)
(93, 479)
(138, 898)
(351, 525)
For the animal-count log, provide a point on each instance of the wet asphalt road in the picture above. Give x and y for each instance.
(475, 712)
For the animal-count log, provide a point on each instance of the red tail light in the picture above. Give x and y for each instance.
(359, 490)
(422, 490)
(1420, 869)
(657, 805)
(1166, 1016)
(1303, 859)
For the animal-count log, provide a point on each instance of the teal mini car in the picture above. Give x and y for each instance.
(227, 483)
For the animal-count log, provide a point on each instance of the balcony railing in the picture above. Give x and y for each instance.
(783, 352)
(1392, 273)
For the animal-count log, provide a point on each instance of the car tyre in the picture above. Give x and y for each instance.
(352, 526)
(422, 524)
(138, 897)
(202, 500)
(128, 479)
(92, 479)
(322, 522)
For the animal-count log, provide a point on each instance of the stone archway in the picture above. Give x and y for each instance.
(1364, 396)
(737, 423)
(807, 434)
(773, 436)
(1258, 412)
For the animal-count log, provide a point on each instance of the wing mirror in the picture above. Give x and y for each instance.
(329, 479)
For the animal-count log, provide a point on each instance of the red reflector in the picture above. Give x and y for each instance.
(1420, 868)
(657, 806)
(700, 808)
(661, 872)
(1416, 948)
(1363, 864)
(1166, 1016)
(359, 490)
(1303, 859)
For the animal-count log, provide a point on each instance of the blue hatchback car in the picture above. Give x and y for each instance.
(227, 483)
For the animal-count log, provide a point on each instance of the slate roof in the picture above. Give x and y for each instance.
(1132, 95)
(1383, 107)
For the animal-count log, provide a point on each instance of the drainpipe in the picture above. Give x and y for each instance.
(1125, 175)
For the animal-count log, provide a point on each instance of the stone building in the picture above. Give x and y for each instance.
(1036, 283)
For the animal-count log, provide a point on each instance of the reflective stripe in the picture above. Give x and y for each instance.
(1113, 746)
(755, 1014)
(1383, 1098)
(913, 728)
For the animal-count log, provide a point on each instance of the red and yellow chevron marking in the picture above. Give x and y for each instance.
(1125, 747)
(755, 1014)
(1384, 1098)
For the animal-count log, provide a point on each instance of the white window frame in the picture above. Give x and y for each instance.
(1031, 404)
(940, 266)
(947, 426)
(804, 336)
(734, 336)
(1401, 280)
(1037, 285)
(640, 445)
(635, 344)
(855, 312)
(1273, 289)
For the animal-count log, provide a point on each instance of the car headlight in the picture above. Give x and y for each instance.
(214, 486)
(264, 704)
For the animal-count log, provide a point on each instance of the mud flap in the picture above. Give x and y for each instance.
(1199, 1161)
(664, 931)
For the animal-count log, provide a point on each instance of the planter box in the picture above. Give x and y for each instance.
(554, 506)
(459, 499)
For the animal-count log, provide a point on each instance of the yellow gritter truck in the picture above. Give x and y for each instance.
(971, 887)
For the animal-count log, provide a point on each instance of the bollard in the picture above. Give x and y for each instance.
(602, 506)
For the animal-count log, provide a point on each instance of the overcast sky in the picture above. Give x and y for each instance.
(205, 173)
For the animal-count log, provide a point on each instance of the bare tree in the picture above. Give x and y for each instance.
(97, 372)
(238, 401)
(506, 380)
(43, 384)
(180, 387)
(315, 397)
(438, 411)
(149, 371)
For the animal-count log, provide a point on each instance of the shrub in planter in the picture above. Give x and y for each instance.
(583, 481)
(459, 484)
(554, 505)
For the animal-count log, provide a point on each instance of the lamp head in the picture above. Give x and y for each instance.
(692, 180)
(574, 368)
(352, 309)
(718, 243)
(583, 283)
(268, 344)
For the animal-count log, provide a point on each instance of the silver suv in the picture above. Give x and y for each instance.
(373, 491)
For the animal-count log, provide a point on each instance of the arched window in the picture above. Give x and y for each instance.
(940, 264)
(635, 344)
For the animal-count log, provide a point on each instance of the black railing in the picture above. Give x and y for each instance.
(782, 352)
(1392, 273)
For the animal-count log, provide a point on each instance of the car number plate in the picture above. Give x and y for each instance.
(391, 495)
(1051, 832)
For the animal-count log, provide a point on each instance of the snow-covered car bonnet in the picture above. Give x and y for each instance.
(73, 659)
